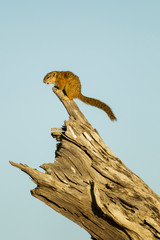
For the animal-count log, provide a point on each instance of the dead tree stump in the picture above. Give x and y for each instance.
(92, 187)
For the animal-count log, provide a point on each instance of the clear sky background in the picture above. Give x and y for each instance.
(114, 47)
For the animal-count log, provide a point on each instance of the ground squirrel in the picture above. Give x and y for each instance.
(70, 84)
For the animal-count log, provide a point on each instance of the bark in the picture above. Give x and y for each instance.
(92, 187)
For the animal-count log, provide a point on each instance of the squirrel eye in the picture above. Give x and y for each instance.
(48, 77)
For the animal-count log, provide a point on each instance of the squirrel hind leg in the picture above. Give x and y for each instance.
(71, 95)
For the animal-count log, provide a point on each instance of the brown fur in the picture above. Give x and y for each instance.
(71, 85)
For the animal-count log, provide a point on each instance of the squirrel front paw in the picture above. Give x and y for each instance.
(55, 89)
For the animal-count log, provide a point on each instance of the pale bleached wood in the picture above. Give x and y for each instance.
(91, 186)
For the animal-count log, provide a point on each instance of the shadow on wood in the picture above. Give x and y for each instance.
(89, 185)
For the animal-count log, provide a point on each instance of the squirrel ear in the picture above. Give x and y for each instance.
(54, 74)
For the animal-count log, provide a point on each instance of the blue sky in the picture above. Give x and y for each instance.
(114, 47)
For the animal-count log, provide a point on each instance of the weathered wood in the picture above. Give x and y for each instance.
(89, 185)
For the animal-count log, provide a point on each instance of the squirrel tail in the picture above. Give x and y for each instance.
(97, 103)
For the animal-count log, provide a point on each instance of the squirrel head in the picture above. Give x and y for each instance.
(50, 78)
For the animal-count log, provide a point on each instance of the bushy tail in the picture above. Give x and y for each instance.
(98, 104)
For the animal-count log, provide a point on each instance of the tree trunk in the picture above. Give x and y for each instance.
(92, 187)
